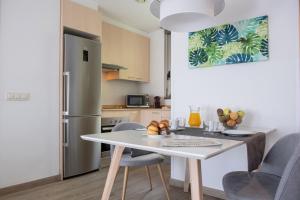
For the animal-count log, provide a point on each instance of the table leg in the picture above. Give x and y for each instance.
(196, 179)
(112, 172)
(186, 185)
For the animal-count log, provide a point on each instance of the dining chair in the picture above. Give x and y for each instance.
(278, 178)
(138, 158)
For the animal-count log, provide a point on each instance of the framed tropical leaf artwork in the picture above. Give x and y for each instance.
(240, 42)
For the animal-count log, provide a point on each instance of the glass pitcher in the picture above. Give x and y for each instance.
(195, 118)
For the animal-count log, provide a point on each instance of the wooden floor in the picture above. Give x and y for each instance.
(89, 187)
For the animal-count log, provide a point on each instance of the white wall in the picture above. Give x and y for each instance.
(267, 91)
(29, 62)
(156, 85)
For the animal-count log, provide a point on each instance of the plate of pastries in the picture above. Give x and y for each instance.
(156, 128)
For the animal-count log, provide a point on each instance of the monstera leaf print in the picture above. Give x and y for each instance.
(246, 26)
(208, 36)
(239, 58)
(238, 42)
(251, 44)
(197, 57)
(214, 52)
(195, 41)
(192, 33)
(264, 48)
(226, 34)
(232, 48)
(262, 18)
(263, 29)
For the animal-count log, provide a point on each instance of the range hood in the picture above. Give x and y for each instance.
(112, 67)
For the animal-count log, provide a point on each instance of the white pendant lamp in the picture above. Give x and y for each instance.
(185, 15)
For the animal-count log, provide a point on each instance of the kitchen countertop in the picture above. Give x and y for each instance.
(123, 108)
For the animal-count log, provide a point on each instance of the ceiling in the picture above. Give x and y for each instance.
(131, 13)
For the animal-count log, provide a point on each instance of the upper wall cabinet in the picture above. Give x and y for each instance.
(81, 18)
(126, 49)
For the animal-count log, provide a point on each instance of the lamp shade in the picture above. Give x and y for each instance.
(185, 15)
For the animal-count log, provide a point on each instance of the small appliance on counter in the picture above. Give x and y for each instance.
(137, 101)
(157, 102)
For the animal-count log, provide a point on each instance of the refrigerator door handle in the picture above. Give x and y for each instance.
(67, 93)
(66, 132)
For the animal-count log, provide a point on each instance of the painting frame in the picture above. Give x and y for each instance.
(239, 42)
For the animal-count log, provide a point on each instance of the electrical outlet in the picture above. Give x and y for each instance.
(17, 96)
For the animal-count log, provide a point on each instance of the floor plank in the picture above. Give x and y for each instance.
(90, 186)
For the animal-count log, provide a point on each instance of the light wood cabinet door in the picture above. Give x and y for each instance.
(143, 117)
(111, 44)
(148, 115)
(81, 18)
(142, 60)
(132, 116)
(112, 113)
(127, 49)
(128, 55)
(166, 114)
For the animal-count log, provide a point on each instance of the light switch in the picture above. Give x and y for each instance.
(17, 96)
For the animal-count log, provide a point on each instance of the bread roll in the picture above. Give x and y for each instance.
(154, 123)
(166, 122)
(163, 125)
(152, 130)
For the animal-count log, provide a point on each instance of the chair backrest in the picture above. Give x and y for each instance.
(127, 126)
(124, 127)
(280, 154)
(289, 186)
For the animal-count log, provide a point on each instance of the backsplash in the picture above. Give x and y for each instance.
(114, 92)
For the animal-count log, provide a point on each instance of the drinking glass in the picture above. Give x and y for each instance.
(195, 118)
(182, 122)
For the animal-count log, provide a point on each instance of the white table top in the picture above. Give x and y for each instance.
(139, 140)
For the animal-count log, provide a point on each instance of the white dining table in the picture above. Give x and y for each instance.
(139, 140)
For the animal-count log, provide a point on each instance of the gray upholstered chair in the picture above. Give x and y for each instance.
(278, 178)
(138, 158)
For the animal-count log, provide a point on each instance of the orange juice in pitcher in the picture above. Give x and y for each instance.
(195, 118)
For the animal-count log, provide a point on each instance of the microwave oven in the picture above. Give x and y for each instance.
(137, 100)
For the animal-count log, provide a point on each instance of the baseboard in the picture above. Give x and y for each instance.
(206, 190)
(29, 185)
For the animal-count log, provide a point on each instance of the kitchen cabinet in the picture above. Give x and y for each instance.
(81, 18)
(165, 114)
(127, 49)
(111, 43)
(142, 116)
(148, 115)
(131, 115)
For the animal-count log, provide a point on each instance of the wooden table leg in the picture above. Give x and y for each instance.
(112, 172)
(186, 185)
(196, 179)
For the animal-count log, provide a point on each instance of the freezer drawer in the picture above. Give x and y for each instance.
(80, 156)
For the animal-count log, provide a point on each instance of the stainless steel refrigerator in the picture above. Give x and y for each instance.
(82, 110)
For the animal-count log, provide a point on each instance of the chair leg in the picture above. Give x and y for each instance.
(163, 181)
(149, 177)
(125, 182)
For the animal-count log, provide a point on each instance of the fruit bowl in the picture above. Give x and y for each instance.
(230, 119)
